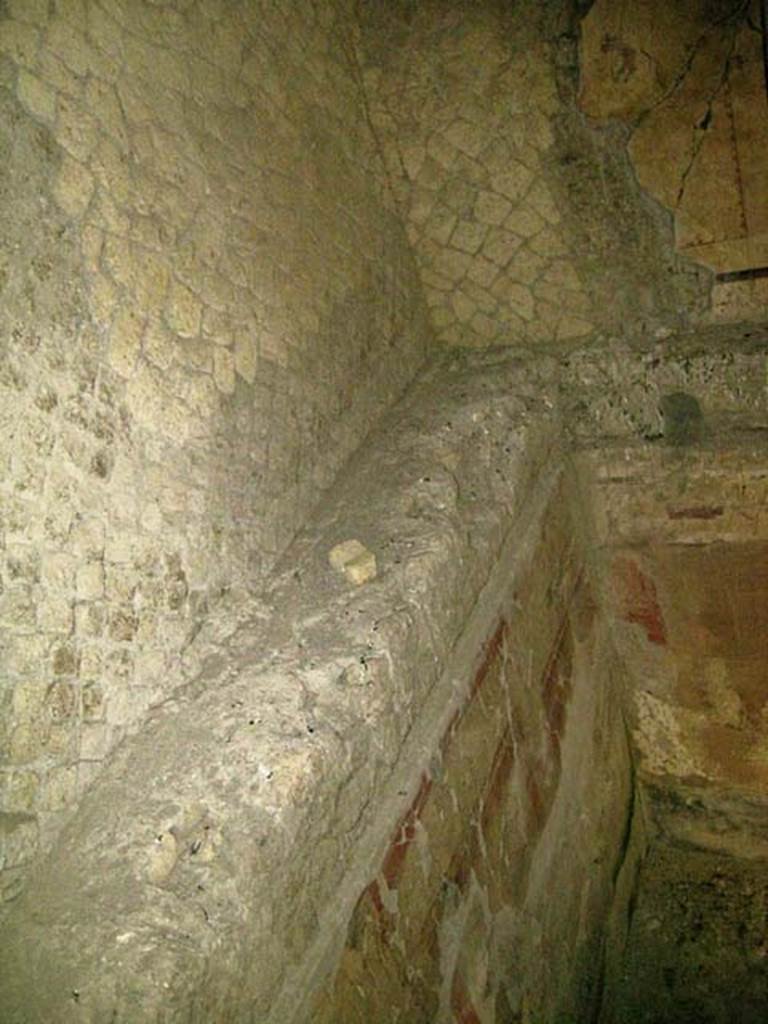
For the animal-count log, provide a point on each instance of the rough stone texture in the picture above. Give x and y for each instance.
(206, 299)
(684, 533)
(617, 392)
(526, 796)
(684, 539)
(527, 224)
(311, 718)
(696, 949)
(688, 80)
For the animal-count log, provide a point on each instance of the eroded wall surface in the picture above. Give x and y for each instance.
(527, 224)
(434, 754)
(490, 901)
(685, 532)
(688, 79)
(685, 553)
(206, 300)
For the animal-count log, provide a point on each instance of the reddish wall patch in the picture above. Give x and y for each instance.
(461, 1005)
(557, 682)
(640, 603)
(490, 654)
(404, 835)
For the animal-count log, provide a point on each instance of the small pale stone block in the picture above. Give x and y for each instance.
(19, 790)
(441, 151)
(245, 355)
(59, 789)
(75, 129)
(159, 345)
(491, 208)
(354, 560)
(463, 307)
(94, 741)
(125, 341)
(500, 246)
(20, 839)
(524, 221)
(513, 181)
(412, 155)
(55, 616)
(150, 282)
(466, 136)
(483, 272)
(101, 99)
(548, 243)
(573, 327)
(540, 198)
(485, 326)
(442, 317)
(440, 224)
(183, 311)
(468, 236)
(520, 299)
(90, 581)
(224, 370)
(74, 188)
(103, 297)
(37, 97)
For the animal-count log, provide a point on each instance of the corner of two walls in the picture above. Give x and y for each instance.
(206, 300)
(526, 218)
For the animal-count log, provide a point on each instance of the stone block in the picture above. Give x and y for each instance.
(38, 97)
(183, 310)
(354, 561)
(20, 41)
(74, 188)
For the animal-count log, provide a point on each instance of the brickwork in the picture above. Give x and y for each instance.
(206, 300)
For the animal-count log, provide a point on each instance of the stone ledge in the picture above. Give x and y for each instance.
(161, 899)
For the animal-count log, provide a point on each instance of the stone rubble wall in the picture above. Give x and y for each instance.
(205, 301)
(617, 392)
(215, 866)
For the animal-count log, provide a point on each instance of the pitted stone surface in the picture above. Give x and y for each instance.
(296, 708)
(207, 299)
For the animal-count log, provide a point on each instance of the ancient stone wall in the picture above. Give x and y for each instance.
(683, 531)
(490, 900)
(684, 544)
(383, 783)
(527, 223)
(687, 80)
(206, 300)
